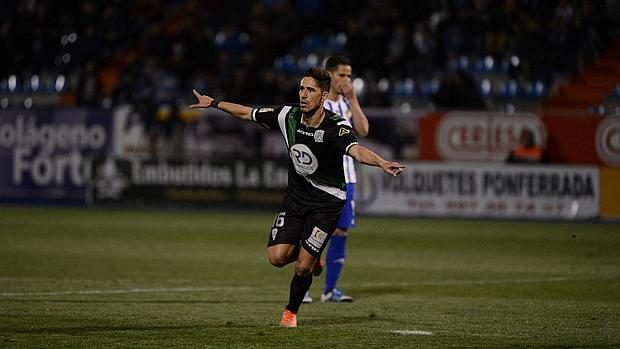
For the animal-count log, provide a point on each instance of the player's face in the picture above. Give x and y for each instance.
(341, 77)
(311, 97)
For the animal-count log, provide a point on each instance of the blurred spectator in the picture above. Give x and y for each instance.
(458, 91)
(527, 151)
(89, 89)
(229, 45)
(533, 53)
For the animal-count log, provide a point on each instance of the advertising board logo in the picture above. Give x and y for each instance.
(109, 181)
(608, 140)
(367, 187)
(483, 136)
(49, 149)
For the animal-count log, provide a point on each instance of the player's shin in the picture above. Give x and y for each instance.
(299, 286)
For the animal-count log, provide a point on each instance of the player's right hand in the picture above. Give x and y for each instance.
(204, 101)
(347, 90)
(392, 168)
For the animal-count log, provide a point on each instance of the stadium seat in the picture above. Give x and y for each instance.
(485, 87)
(314, 42)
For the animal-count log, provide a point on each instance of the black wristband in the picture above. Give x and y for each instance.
(215, 103)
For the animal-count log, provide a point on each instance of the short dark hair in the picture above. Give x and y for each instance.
(321, 76)
(334, 61)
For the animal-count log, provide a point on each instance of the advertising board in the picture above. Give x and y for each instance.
(239, 183)
(482, 190)
(45, 153)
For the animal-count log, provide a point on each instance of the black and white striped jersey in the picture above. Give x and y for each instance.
(315, 173)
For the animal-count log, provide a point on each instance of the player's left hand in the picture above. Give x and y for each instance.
(204, 101)
(392, 168)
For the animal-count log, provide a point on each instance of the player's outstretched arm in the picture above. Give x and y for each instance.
(368, 157)
(236, 110)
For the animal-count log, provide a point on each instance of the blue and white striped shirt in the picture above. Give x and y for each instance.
(342, 107)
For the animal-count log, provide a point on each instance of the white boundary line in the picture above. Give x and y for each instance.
(254, 288)
(412, 333)
(126, 291)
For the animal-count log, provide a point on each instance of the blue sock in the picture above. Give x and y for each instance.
(334, 261)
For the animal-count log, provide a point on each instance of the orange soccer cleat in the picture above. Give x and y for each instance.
(289, 319)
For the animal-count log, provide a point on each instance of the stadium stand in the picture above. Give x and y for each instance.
(106, 52)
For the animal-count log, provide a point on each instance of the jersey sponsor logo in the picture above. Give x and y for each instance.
(318, 136)
(304, 161)
(343, 131)
(265, 110)
(317, 239)
(306, 133)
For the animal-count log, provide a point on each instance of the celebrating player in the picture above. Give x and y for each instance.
(316, 139)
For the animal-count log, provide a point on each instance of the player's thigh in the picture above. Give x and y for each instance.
(287, 228)
(320, 226)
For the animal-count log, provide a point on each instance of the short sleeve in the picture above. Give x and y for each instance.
(343, 137)
(266, 117)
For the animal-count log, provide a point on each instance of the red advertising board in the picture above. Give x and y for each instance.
(572, 139)
(489, 136)
(474, 135)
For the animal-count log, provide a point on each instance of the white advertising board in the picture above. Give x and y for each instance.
(481, 190)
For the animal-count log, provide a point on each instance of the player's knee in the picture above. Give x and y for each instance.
(277, 260)
(303, 270)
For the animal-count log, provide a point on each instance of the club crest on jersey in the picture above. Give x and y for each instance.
(318, 136)
(343, 131)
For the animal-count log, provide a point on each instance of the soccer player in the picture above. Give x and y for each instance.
(316, 140)
(342, 101)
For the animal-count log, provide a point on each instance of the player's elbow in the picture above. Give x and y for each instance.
(244, 116)
(362, 131)
(354, 152)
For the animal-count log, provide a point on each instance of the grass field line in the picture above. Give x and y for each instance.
(254, 288)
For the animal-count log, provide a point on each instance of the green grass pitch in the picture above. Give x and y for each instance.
(156, 279)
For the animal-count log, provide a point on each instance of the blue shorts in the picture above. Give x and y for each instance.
(347, 217)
